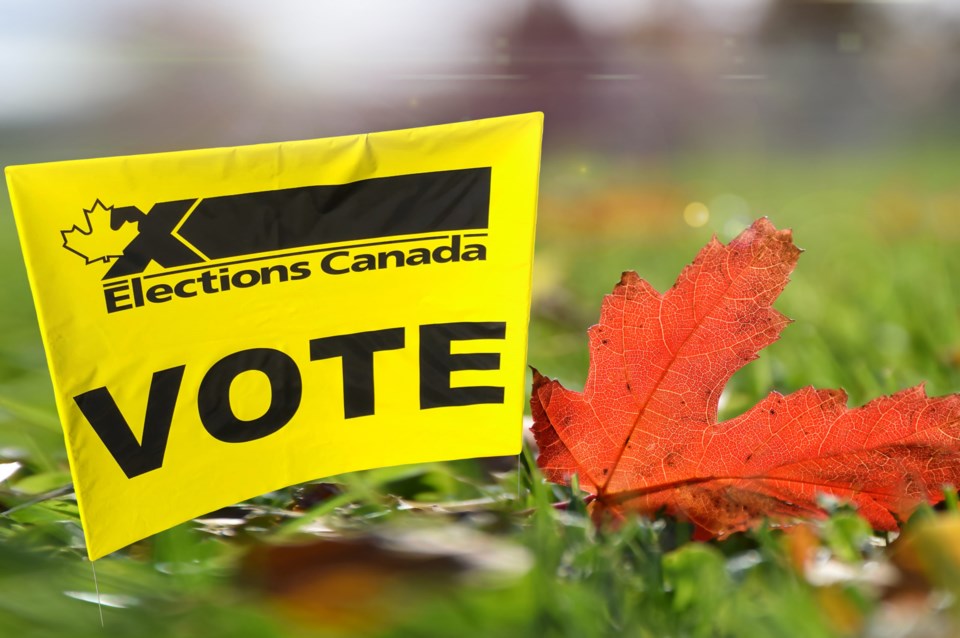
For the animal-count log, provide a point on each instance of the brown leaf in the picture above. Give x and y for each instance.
(363, 582)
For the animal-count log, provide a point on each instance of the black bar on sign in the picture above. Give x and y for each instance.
(265, 221)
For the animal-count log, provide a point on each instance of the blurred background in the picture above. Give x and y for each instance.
(667, 121)
(664, 119)
(637, 77)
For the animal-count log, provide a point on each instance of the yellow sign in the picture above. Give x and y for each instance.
(222, 323)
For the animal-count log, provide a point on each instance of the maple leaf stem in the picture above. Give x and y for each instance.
(565, 505)
(621, 497)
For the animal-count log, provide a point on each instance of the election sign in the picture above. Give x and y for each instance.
(221, 323)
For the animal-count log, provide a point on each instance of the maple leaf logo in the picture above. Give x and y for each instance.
(102, 240)
(643, 435)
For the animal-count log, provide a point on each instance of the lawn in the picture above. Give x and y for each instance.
(486, 547)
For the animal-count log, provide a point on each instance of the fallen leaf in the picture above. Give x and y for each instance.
(312, 494)
(468, 506)
(929, 552)
(118, 601)
(363, 582)
(927, 559)
(644, 436)
(8, 469)
(347, 583)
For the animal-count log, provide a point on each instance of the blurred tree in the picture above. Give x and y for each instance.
(551, 58)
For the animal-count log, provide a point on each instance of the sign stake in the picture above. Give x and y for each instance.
(96, 586)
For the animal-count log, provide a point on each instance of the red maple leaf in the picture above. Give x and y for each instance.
(644, 436)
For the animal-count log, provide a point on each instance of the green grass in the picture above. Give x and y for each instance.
(875, 307)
